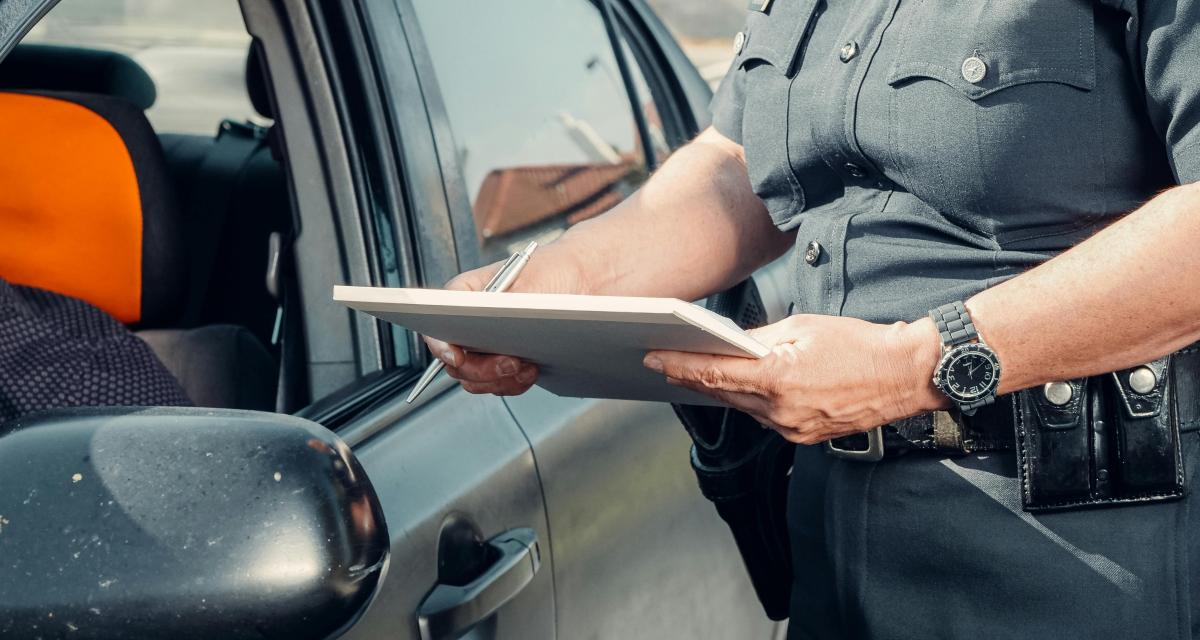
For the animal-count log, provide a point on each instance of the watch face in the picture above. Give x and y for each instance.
(968, 372)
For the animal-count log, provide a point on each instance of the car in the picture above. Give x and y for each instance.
(399, 142)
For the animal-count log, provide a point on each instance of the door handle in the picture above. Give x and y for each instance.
(450, 610)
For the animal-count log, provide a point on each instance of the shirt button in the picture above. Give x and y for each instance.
(848, 52)
(974, 69)
(812, 252)
(739, 42)
(855, 170)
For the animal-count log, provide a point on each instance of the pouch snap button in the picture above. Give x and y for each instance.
(1142, 380)
(855, 171)
(1058, 393)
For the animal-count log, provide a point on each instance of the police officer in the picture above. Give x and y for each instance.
(980, 198)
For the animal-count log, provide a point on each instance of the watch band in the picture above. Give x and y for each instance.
(968, 408)
(954, 325)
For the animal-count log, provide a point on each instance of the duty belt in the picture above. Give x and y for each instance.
(993, 428)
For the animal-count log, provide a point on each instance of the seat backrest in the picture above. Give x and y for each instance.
(88, 209)
(235, 196)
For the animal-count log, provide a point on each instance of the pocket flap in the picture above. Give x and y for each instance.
(1038, 42)
(1142, 388)
(1065, 415)
(777, 37)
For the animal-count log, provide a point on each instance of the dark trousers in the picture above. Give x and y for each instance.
(931, 546)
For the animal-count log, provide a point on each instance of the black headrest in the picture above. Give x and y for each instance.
(51, 67)
(256, 81)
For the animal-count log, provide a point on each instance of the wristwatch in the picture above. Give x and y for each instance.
(969, 371)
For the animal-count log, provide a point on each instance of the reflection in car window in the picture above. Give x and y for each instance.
(649, 110)
(541, 122)
(194, 51)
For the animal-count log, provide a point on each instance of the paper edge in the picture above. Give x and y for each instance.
(561, 302)
(692, 315)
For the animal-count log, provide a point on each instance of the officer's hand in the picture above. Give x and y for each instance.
(503, 375)
(825, 377)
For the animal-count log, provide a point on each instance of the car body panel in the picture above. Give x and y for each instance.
(451, 457)
(638, 551)
(459, 456)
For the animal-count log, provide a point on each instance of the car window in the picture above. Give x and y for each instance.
(649, 109)
(542, 125)
(194, 51)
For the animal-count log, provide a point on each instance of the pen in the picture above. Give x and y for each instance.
(500, 282)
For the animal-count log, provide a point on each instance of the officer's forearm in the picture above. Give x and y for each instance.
(1126, 296)
(696, 227)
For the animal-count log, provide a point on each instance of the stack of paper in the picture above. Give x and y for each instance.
(585, 346)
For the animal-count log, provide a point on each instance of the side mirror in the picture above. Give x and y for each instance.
(183, 523)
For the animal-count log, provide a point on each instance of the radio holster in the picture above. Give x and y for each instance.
(743, 469)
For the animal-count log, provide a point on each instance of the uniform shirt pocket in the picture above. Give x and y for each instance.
(1012, 43)
(775, 38)
(991, 117)
(770, 58)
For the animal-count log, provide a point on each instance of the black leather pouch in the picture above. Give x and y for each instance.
(1149, 463)
(1109, 444)
(745, 470)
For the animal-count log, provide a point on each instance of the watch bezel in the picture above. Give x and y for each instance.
(942, 372)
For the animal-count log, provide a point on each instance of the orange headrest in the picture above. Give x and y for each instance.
(86, 209)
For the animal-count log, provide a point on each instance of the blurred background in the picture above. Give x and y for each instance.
(705, 29)
(196, 51)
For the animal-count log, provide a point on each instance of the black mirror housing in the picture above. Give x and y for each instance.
(183, 523)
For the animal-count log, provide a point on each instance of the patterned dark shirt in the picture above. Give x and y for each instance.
(57, 351)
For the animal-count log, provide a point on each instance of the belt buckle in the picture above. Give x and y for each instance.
(873, 452)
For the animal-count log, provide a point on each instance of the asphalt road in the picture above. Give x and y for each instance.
(705, 30)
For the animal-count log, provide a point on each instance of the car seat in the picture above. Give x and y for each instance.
(89, 211)
(235, 195)
(238, 212)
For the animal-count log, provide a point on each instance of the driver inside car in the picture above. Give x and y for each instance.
(57, 351)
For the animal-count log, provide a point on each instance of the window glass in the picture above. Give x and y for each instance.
(194, 51)
(649, 109)
(541, 121)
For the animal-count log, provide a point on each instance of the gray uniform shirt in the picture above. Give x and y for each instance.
(933, 148)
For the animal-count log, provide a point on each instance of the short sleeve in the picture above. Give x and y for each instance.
(1168, 45)
(728, 103)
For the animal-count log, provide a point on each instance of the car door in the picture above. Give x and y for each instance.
(454, 473)
(548, 114)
